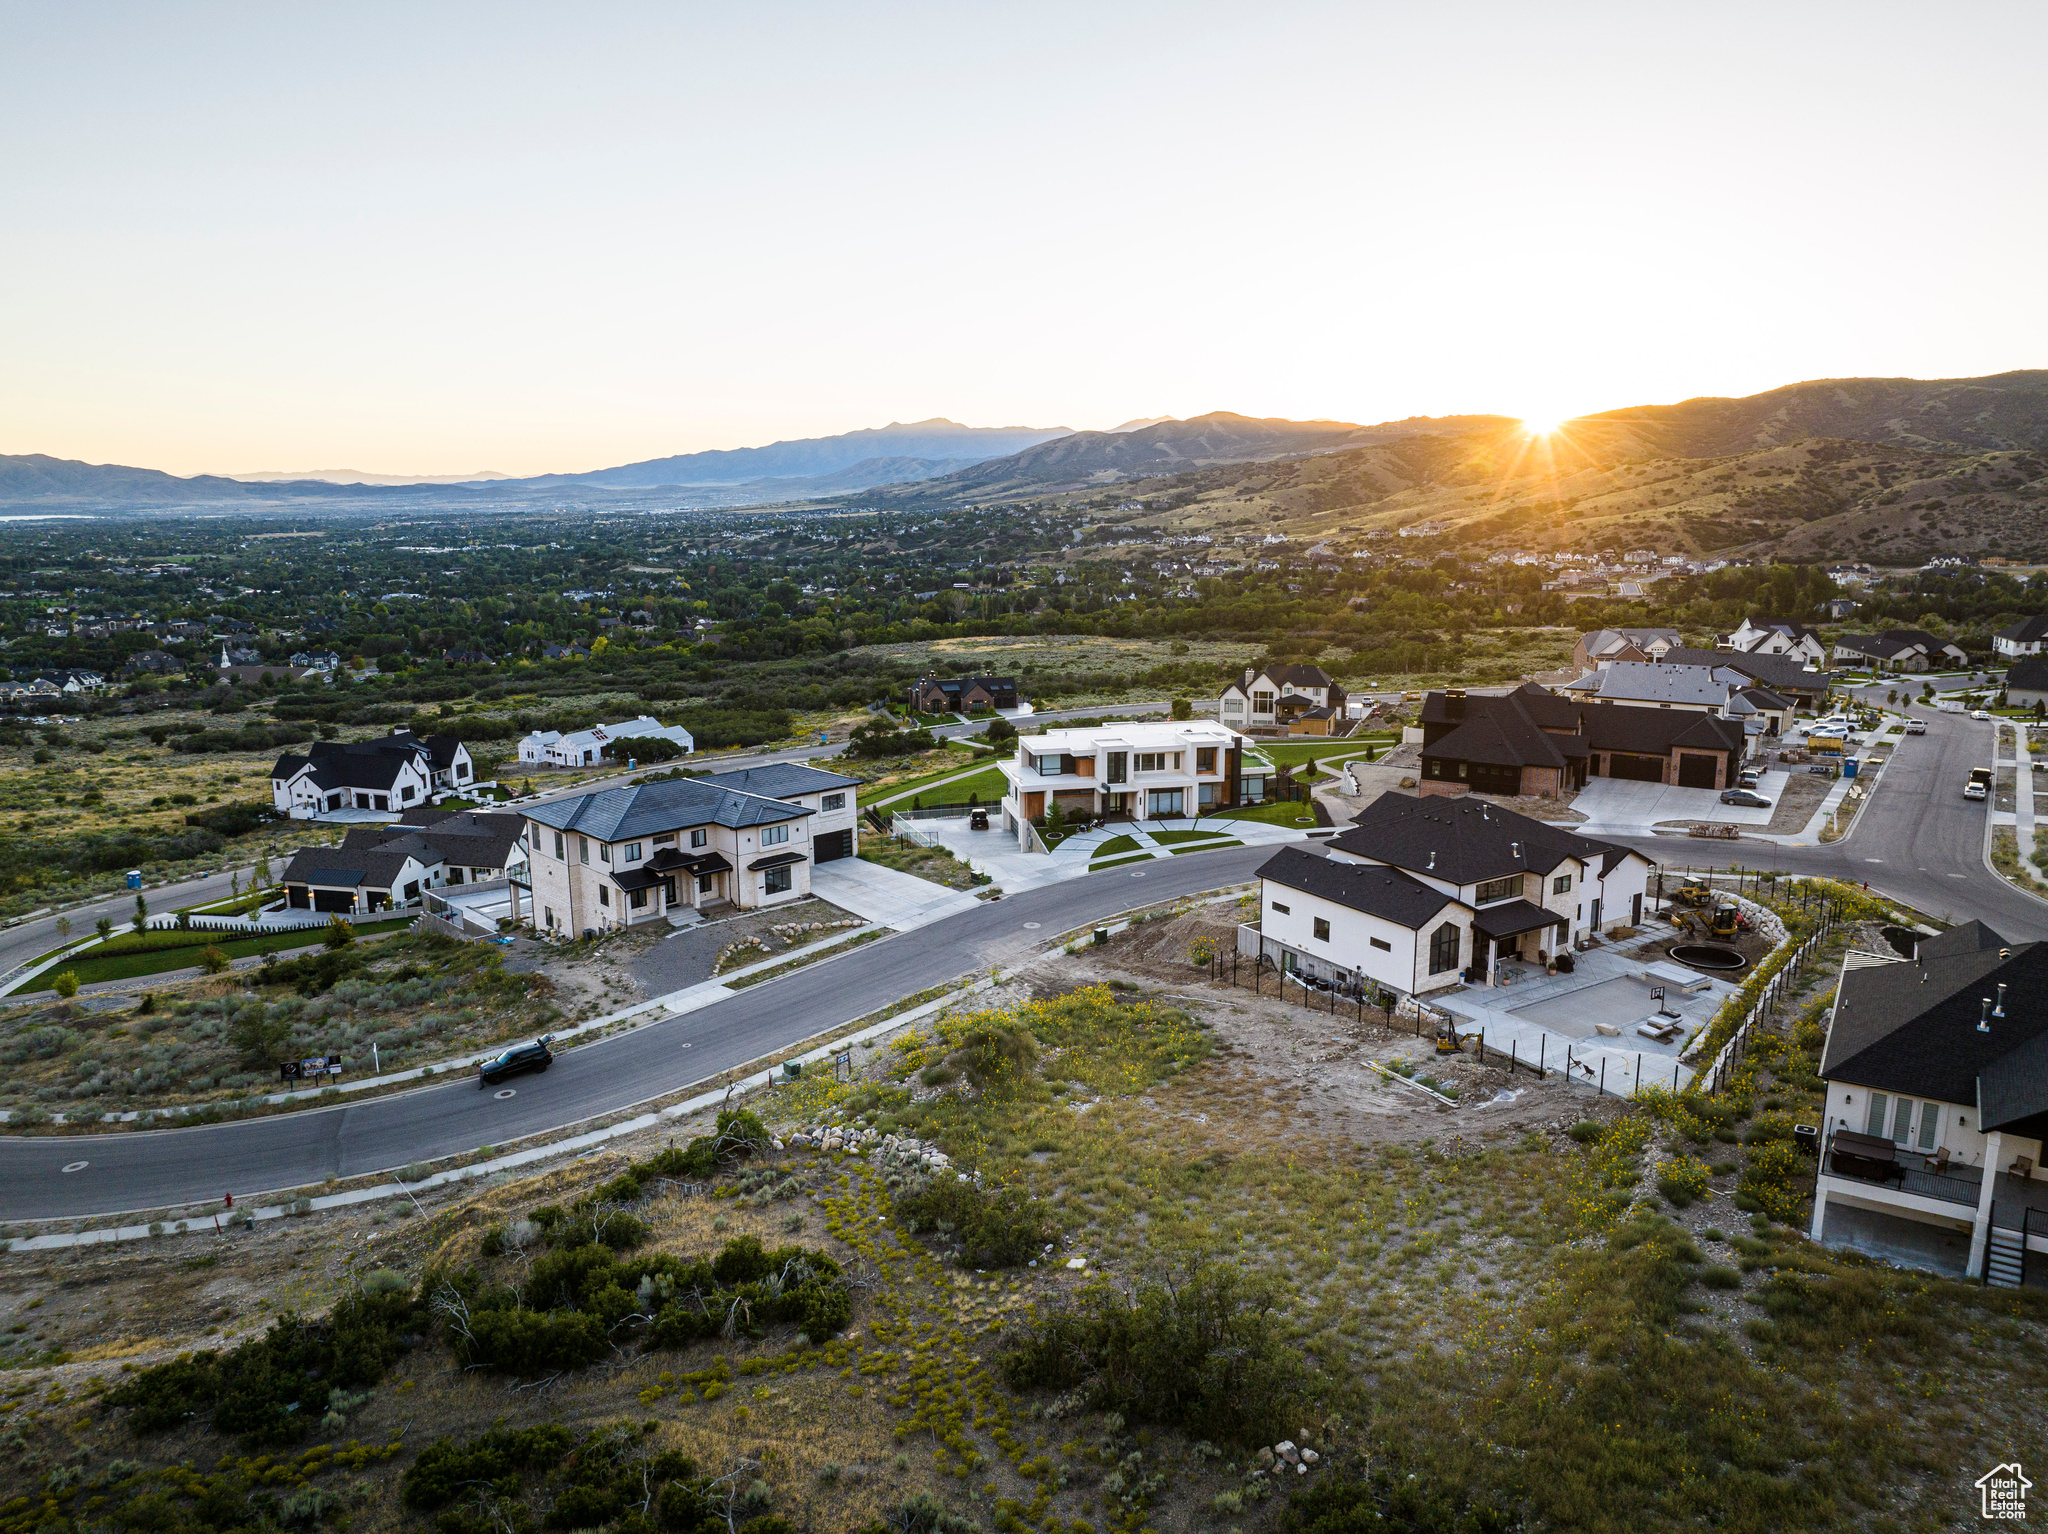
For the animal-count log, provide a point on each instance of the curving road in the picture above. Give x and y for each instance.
(1918, 840)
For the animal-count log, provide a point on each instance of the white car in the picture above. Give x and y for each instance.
(1980, 713)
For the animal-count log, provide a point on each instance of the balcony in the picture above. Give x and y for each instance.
(1863, 1159)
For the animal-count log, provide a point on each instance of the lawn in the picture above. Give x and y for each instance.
(1211, 846)
(1142, 857)
(1292, 753)
(134, 966)
(1168, 838)
(985, 787)
(1120, 844)
(887, 786)
(1278, 812)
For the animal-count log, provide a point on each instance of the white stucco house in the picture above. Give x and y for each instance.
(601, 742)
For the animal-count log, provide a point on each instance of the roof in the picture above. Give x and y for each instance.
(782, 780)
(1763, 697)
(1774, 671)
(1291, 674)
(356, 864)
(2029, 673)
(1512, 917)
(1600, 641)
(1463, 841)
(1912, 1027)
(2027, 630)
(1791, 630)
(372, 764)
(1970, 937)
(1373, 888)
(1641, 681)
(667, 804)
(1521, 729)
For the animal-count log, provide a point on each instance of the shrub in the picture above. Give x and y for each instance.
(999, 1228)
(1683, 1179)
(339, 934)
(1399, 1505)
(1201, 1353)
(1201, 952)
(527, 1343)
(446, 1469)
(1773, 1179)
(66, 984)
(213, 960)
(1586, 1131)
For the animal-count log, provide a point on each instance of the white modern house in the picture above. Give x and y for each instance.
(1937, 1105)
(1421, 893)
(601, 742)
(1149, 771)
(628, 855)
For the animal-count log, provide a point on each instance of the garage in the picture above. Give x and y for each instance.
(1696, 770)
(832, 846)
(1636, 769)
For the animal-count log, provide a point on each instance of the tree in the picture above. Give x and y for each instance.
(1183, 709)
(235, 885)
(216, 962)
(339, 933)
(140, 920)
(104, 927)
(63, 926)
(65, 985)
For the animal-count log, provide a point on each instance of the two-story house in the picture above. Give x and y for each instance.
(961, 695)
(1606, 646)
(1123, 771)
(1937, 1104)
(2026, 637)
(380, 866)
(629, 855)
(1269, 699)
(601, 742)
(1534, 743)
(1419, 894)
(390, 773)
(1778, 636)
(830, 796)
(1899, 650)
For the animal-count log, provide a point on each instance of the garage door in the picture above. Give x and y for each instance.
(1637, 769)
(1696, 771)
(832, 845)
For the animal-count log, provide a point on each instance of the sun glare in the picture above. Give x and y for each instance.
(1540, 426)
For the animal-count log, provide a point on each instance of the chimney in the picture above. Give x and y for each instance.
(1999, 1010)
(1984, 1017)
(1516, 849)
(1454, 702)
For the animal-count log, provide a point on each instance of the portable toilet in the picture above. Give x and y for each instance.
(135, 878)
(1848, 766)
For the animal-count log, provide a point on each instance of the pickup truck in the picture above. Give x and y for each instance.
(1979, 785)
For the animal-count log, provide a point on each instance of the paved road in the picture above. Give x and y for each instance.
(145, 1170)
(1918, 840)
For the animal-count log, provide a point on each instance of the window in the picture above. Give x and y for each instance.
(706, 883)
(604, 894)
(1205, 759)
(774, 836)
(1163, 802)
(1283, 910)
(699, 838)
(776, 882)
(558, 848)
(1443, 948)
(638, 900)
(1322, 929)
(1381, 944)
(1262, 703)
(551, 915)
(1490, 890)
(604, 851)
(1151, 761)
(462, 769)
(1118, 767)
(665, 839)
(1561, 885)
(834, 801)
(1233, 705)
(633, 850)
(582, 849)
(1873, 1123)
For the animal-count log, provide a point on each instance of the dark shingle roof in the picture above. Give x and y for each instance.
(1776, 671)
(2029, 673)
(2027, 630)
(1512, 917)
(1911, 1027)
(670, 804)
(781, 780)
(1369, 887)
(1463, 841)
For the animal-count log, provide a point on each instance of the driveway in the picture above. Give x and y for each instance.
(1616, 804)
(886, 896)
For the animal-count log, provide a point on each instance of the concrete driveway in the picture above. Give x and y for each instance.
(886, 896)
(1616, 804)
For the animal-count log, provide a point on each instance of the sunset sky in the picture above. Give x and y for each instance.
(430, 238)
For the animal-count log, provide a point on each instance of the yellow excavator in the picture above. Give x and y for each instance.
(1726, 920)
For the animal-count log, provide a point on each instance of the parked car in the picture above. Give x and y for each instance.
(1748, 778)
(1745, 798)
(1980, 713)
(977, 820)
(520, 1057)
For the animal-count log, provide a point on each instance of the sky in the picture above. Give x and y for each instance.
(437, 238)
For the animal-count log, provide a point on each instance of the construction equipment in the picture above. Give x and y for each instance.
(1692, 894)
(1727, 920)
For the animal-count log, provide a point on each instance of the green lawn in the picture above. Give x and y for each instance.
(1292, 753)
(985, 787)
(133, 966)
(1278, 813)
(1119, 844)
(1168, 838)
(1143, 857)
(908, 787)
(1228, 841)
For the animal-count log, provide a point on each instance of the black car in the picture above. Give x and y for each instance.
(520, 1057)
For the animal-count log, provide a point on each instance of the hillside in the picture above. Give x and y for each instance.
(1598, 484)
(1102, 457)
(813, 457)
